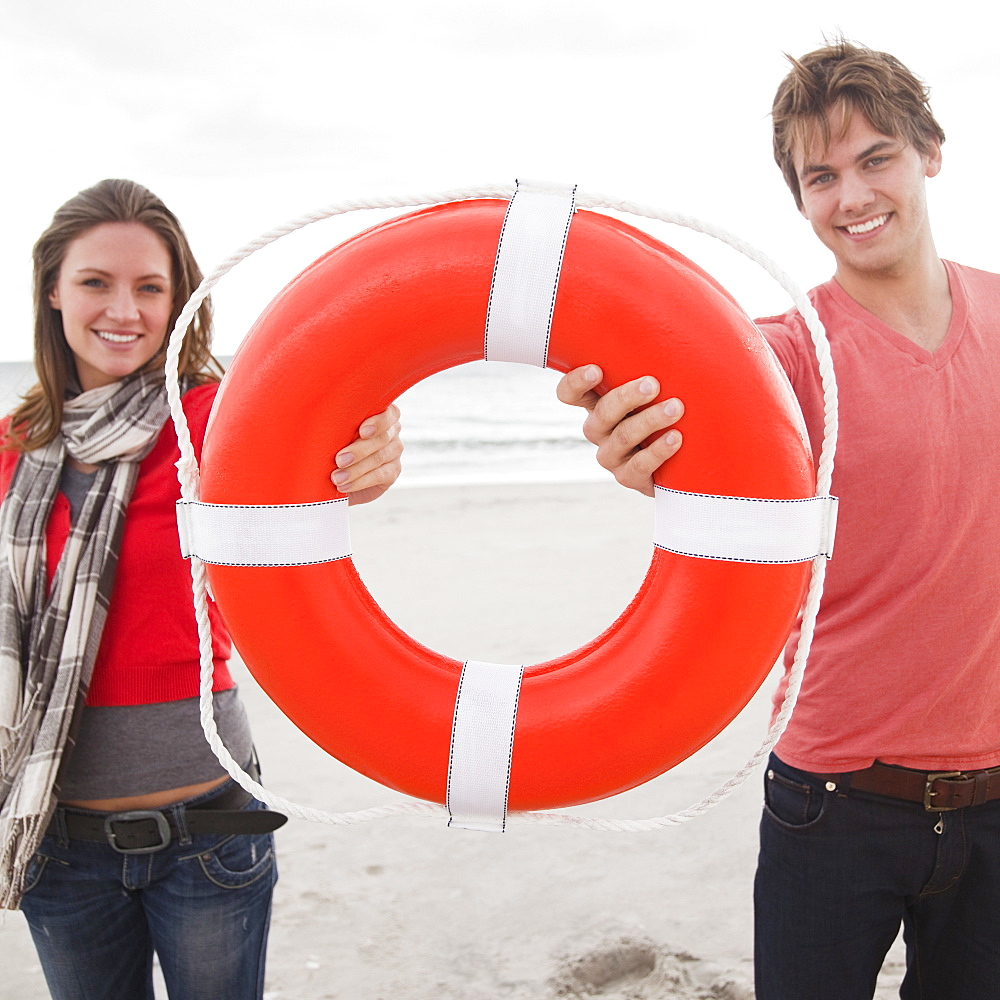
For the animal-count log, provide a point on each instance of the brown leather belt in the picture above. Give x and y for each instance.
(938, 791)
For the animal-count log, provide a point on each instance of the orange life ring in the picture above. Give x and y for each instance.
(404, 300)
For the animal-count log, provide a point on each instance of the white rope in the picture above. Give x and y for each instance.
(187, 470)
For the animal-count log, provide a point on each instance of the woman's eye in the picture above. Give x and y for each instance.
(150, 288)
(93, 283)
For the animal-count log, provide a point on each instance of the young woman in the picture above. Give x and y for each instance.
(120, 833)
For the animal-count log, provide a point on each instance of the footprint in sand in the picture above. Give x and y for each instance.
(637, 968)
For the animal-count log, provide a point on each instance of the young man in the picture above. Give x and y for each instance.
(883, 797)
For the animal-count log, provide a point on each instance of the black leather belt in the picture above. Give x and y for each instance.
(145, 831)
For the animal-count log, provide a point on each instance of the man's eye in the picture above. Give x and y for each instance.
(822, 179)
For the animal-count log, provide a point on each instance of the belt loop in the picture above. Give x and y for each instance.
(981, 789)
(61, 832)
(844, 784)
(179, 815)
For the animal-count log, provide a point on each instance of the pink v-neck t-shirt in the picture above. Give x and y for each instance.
(905, 666)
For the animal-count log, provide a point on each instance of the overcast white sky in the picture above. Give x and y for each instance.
(241, 114)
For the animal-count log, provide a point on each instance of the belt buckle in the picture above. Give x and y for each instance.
(929, 793)
(162, 828)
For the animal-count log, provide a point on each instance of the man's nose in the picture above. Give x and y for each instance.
(856, 194)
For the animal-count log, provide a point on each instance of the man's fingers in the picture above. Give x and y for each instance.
(636, 446)
(615, 406)
(623, 424)
(636, 470)
(577, 386)
(634, 436)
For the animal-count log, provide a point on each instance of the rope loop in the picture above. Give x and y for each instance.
(187, 473)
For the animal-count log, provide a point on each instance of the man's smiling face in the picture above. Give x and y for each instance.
(864, 196)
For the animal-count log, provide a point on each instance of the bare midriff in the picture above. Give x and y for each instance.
(153, 800)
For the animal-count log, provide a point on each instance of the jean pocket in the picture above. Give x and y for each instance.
(36, 868)
(792, 803)
(239, 860)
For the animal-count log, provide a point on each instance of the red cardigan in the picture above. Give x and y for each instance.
(149, 649)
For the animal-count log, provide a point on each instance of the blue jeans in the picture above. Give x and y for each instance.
(202, 904)
(836, 876)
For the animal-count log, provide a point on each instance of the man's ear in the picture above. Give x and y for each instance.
(932, 159)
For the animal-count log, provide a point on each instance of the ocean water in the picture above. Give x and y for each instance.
(493, 422)
(485, 422)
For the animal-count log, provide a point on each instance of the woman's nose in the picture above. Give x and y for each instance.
(123, 305)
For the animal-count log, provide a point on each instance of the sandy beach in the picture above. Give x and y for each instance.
(406, 909)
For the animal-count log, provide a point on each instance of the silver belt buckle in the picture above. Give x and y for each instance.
(162, 828)
(929, 793)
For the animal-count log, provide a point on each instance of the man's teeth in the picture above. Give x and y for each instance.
(867, 227)
(117, 338)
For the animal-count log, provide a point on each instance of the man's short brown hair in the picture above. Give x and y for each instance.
(850, 78)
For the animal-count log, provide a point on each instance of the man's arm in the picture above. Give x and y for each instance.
(620, 429)
(370, 464)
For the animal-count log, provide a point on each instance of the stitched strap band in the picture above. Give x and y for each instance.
(526, 273)
(298, 534)
(482, 742)
(738, 529)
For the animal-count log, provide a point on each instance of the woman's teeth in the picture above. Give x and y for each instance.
(117, 338)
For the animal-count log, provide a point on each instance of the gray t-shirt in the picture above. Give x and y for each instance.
(126, 750)
(74, 485)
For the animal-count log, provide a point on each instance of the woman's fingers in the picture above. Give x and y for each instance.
(370, 464)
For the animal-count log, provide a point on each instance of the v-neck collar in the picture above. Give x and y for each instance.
(936, 359)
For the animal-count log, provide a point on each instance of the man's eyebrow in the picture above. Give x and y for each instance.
(822, 168)
(876, 148)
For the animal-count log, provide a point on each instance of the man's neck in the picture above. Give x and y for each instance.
(916, 301)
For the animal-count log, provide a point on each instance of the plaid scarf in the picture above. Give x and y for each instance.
(49, 635)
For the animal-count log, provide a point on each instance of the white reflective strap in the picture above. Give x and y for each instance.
(526, 273)
(482, 741)
(297, 534)
(738, 529)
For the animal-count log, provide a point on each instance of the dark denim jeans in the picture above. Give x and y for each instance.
(203, 904)
(836, 876)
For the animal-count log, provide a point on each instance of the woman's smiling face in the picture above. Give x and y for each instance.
(115, 293)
